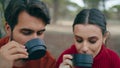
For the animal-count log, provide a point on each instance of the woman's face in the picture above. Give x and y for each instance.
(88, 39)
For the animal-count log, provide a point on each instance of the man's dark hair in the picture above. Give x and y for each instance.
(34, 8)
(91, 16)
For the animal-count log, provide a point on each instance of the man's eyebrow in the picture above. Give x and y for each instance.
(42, 30)
(26, 29)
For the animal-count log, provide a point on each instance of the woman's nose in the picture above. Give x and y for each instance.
(84, 48)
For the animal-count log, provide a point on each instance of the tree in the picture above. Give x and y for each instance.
(117, 7)
(1, 20)
(59, 9)
(55, 10)
(3, 4)
(91, 3)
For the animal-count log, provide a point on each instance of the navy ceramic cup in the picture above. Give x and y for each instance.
(82, 60)
(36, 48)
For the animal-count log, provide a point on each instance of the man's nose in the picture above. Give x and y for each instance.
(35, 35)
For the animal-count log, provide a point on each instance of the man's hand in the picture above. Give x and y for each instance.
(11, 52)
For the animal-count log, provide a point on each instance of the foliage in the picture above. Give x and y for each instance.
(117, 7)
(116, 10)
(91, 3)
(2, 21)
(61, 9)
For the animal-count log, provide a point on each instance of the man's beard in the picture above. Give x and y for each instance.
(18, 60)
(11, 37)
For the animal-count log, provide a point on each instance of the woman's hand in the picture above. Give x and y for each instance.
(67, 62)
(11, 52)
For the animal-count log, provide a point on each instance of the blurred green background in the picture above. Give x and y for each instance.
(59, 32)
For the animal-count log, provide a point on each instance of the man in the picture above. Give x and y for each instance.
(25, 20)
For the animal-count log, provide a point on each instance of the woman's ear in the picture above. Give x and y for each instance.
(106, 36)
(8, 29)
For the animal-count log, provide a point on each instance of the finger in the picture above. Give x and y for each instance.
(67, 66)
(16, 44)
(67, 56)
(18, 51)
(12, 44)
(68, 62)
(64, 66)
(18, 56)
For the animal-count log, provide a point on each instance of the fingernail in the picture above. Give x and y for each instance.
(23, 46)
(26, 56)
(25, 49)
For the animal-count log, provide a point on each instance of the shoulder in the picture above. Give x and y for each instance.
(108, 52)
(4, 40)
(70, 50)
(48, 56)
(111, 53)
(45, 62)
(48, 61)
(113, 57)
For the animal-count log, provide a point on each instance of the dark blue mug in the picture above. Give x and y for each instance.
(36, 49)
(82, 60)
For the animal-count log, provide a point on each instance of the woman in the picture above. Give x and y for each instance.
(90, 34)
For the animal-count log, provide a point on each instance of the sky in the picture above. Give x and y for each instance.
(108, 4)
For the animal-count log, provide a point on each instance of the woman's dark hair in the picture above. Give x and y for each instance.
(91, 16)
(34, 8)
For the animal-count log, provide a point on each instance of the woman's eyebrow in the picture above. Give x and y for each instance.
(93, 37)
(77, 36)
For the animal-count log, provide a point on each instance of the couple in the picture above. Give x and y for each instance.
(27, 19)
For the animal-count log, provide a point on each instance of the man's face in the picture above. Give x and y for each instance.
(28, 27)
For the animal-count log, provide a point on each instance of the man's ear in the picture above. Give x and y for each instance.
(8, 29)
(106, 36)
